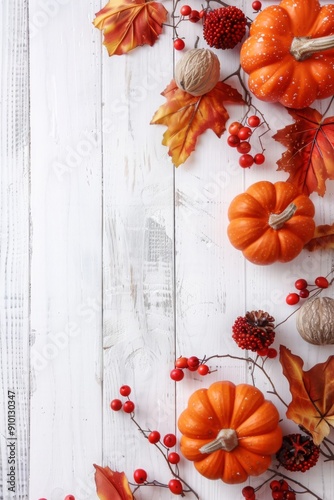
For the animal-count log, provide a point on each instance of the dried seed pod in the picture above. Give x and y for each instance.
(197, 72)
(315, 321)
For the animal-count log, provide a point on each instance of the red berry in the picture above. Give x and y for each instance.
(175, 486)
(185, 10)
(277, 495)
(181, 362)
(179, 44)
(275, 485)
(125, 390)
(176, 374)
(128, 406)
(244, 133)
(262, 352)
(194, 16)
(233, 141)
(259, 158)
(244, 147)
(202, 14)
(284, 485)
(254, 121)
(303, 294)
(321, 282)
(173, 458)
(290, 495)
(169, 440)
(116, 404)
(234, 128)
(301, 284)
(246, 161)
(272, 353)
(140, 476)
(193, 362)
(257, 6)
(292, 299)
(203, 369)
(69, 497)
(154, 437)
(248, 491)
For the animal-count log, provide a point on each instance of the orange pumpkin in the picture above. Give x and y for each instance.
(290, 53)
(270, 222)
(229, 431)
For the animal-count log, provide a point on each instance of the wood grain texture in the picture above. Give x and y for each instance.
(66, 276)
(14, 252)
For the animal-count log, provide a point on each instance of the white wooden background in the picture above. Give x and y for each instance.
(113, 262)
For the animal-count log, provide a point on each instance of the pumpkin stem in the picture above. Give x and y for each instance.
(276, 221)
(304, 47)
(226, 439)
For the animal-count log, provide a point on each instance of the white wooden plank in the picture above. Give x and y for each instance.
(138, 260)
(14, 251)
(66, 308)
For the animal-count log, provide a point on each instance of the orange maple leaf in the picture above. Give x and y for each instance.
(188, 116)
(309, 158)
(126, 24)
(323, 238)
(312, 391)
(111, 485)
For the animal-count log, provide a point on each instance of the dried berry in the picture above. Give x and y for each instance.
(254, 331)
(225, 27)
(298, 453)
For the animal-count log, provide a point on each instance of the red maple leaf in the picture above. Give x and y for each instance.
(126, 24)
(309, 158)
(188, 116)
(111, 485)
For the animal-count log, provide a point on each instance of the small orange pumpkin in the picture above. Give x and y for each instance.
(289, 55)
(270, 222)
(229, 431)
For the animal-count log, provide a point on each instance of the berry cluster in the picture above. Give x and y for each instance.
(255, 332)
(186, 14)
(320, 283)
(239, 138)
(298, 453)
(224, 27)
(192, 364)
(176, 485)
(117, 404)
(280, 490)
(173, 458)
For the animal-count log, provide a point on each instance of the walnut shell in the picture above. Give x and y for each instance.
(197, 72)
(315, 321)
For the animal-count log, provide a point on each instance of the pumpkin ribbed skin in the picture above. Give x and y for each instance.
(275, 75)
(242, 408)
(249, 229)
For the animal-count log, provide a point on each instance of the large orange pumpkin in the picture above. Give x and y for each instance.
(289, 55)
(229, 431)
(270, 222)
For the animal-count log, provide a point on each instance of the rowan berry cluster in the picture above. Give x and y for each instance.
(305, 289)
(164, 443)
(223, 28)
(240, 137)
(193, 364)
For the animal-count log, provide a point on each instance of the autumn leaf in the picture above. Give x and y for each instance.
(188, 116)
(111, 485)
(323, 238)
(312, 391)
(309, 158)
(126, 24)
